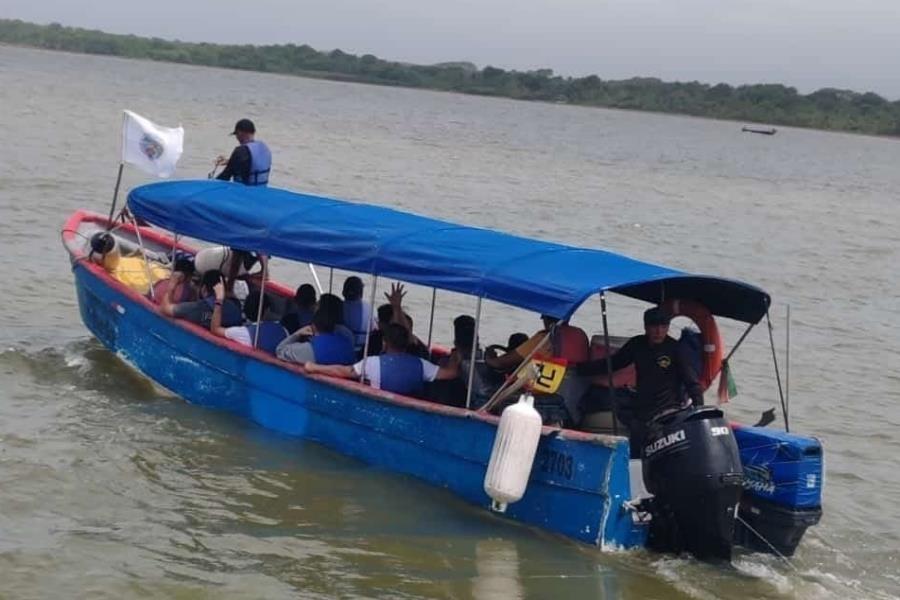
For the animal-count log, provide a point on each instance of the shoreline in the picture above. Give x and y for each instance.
(348, 78)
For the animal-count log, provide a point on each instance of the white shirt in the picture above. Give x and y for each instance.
(239, 334)
(373, 370)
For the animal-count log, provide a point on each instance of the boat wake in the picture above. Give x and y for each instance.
(760, 575)
(78, 365)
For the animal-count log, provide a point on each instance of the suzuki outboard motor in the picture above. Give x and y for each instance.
(693, 468)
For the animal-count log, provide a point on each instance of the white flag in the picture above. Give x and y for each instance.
(149, 147)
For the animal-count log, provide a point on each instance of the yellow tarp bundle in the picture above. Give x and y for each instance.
(132, 271)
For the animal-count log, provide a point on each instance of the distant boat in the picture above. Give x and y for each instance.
(760, 130)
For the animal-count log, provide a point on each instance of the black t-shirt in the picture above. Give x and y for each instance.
(238, 167)
(664, 374)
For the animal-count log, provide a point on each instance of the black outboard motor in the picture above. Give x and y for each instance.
(693, 468)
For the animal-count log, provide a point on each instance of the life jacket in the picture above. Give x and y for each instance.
(354, 319)
(332, 349)
(568, 343)
(270, 335)
(401, 373)
(558, 388)
(260, 163)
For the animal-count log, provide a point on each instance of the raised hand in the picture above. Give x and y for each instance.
(396, 295)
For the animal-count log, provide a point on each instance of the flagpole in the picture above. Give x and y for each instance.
(112, 209)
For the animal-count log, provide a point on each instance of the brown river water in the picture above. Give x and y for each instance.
(110, 488)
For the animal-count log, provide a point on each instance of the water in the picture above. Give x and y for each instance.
(110, 488)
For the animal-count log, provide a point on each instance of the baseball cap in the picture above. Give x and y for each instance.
(245, 125)
(656, 316)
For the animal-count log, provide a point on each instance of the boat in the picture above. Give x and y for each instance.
(582, 484)
(759, 130)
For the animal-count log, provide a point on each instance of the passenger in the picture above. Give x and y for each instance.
(200, 311)
(395, 370)
(318, 342)
(302, 309)
(186, 290)
(483, 385)
(250, 162)
(516, 340)
(270, 332)
(357, 312)
(567, 342)
(335, 307)
(387, 314)
(666, 380)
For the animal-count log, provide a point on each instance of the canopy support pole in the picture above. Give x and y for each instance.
(315, 276)
(431, 318)
(787, 364)
(362, 373)
(137, 231)
(777, 373)
(609, 371)
(472, 356)
(262, 293)
(330, 279)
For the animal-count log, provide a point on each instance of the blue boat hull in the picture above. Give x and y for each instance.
(578, 485)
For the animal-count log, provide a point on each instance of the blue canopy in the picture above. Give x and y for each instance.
(545, 277)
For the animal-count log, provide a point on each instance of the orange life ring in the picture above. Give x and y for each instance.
(713, 349)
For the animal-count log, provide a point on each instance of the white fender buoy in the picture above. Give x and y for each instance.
(513, 454)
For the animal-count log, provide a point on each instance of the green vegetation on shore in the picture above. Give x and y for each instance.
(767, 103)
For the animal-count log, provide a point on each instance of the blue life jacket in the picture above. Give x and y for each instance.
(270, 335)
(260, 163)
(354, 319)
(401, 373)
(332, 349)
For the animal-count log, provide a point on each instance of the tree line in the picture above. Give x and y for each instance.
(827, 108)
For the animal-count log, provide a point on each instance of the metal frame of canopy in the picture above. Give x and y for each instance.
(191, 204)
(544, 277)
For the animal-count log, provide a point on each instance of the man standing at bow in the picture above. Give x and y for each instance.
(251, 161)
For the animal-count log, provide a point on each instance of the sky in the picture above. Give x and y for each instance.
(808, 44)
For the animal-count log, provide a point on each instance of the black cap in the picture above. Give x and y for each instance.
(656, 316)
(245, 125)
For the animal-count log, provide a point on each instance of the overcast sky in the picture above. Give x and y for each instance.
(809, 44)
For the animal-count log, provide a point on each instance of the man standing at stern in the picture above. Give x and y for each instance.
(666, 379)
(251, 161)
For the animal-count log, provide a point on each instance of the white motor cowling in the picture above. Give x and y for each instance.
(513, 454)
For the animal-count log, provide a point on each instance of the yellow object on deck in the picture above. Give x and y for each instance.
(132, 271)
(548, 375)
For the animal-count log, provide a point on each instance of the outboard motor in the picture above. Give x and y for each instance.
(692, 466)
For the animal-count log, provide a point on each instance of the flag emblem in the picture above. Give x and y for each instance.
(151, 146)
